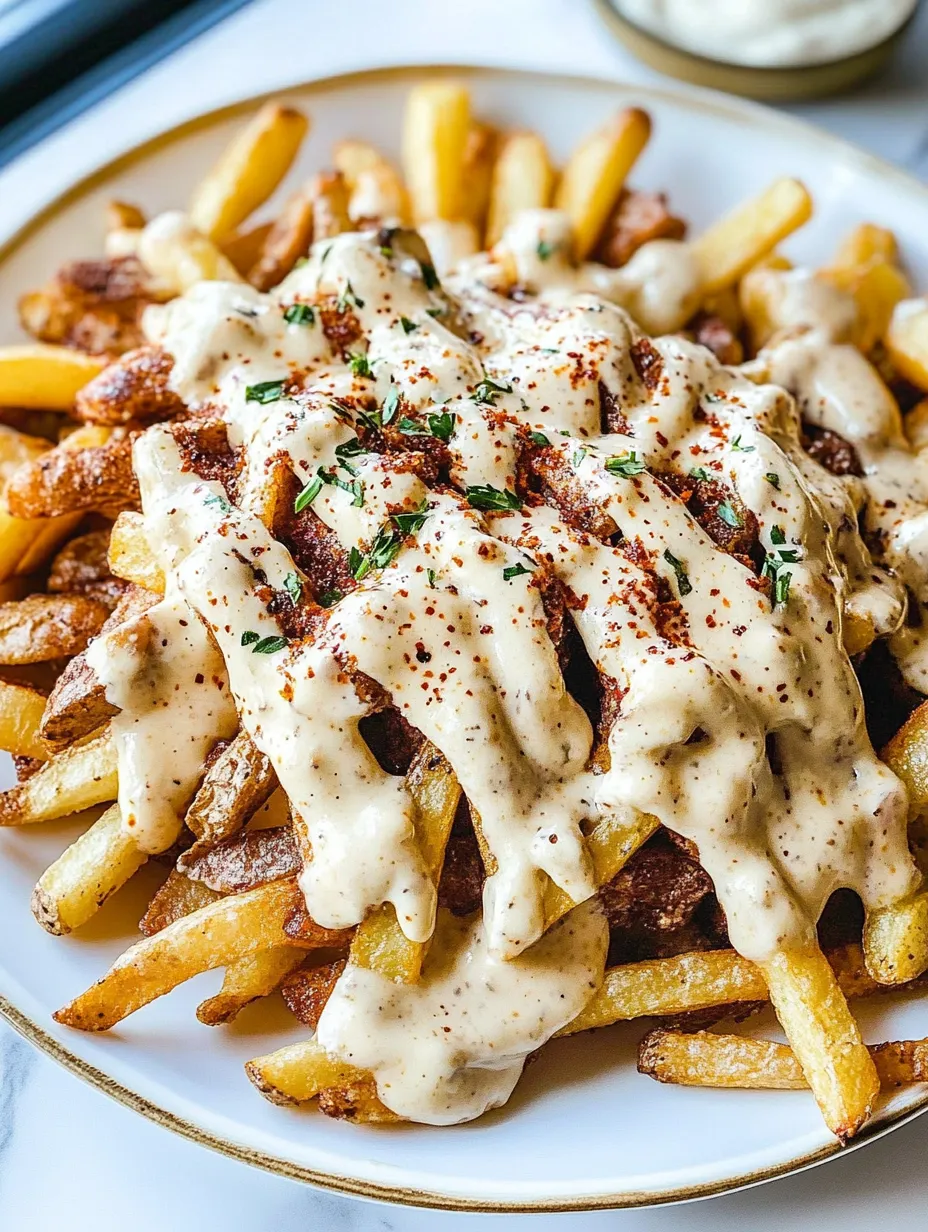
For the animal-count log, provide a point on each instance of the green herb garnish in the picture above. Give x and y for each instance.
(294, 587)
(359, 365)
(300, 314)
(390, 404)
(545, 249)
(329, 598)
(429, 277)
(730, 515)
(683, 582)
(700, 472)
(264, 392)
(411, 523)
(221, 501)
(512, 571)
(347, 299)
(625, 464)
(538, 438)
(739, 448)
(269, 645)
(488, 391)
(307, 495)
(408, 326)
(773, 479)
(249, 638)
(484, 496)
(442, 425)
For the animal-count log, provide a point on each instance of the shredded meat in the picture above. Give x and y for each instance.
(830, 450)
(638, 218)
(712, 332)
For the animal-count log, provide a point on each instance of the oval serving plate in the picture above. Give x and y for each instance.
(583, 1130)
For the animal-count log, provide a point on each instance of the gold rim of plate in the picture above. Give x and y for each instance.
(772, 85)
(36, 1034)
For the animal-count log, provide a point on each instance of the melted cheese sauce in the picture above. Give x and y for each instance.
(740, 726)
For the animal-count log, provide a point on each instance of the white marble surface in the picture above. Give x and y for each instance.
(68, 1155)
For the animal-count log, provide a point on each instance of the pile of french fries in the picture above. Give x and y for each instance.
(74, 558)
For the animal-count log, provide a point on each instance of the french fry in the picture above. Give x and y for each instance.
(907, 340)
(611, 845)
(379, 943)
(865, 243)
(479, 158)
(297, 1073)
(248, 979)
(738, 241)
(21, 710)
(80, 881)
(596, 172)
(235, 786)
(249, 170)
(702, 1059)
(906, 754)
(244, 247)
(40, 376)
(179, 256)
(75, 779)
(876, 288)
(131, 557)
(896, 940)
(824, 1037)
(214, 936)
(376, 188)
(435, 129)
(523, 179)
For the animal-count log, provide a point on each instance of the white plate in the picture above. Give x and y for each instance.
(584, 1130)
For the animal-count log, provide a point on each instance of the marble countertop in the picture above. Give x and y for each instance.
(70, 1157)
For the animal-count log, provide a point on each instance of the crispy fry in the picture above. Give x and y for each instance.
(21, 709)
(523, 179)
(235, 786)
(80, 881)
(177, 897)
(214, 936)
(479, 158)
(907, 340)
(43, 627)
(44, 377)
(435, 130)
(877, 288)
(329, 195)
(75, 477)
(896, 940)
(248, 171)
(75, 779)
(596, 172)
(380, 944)
(865, 243)
(611, 844)
(288, 239)
(377, 192)
(179, 256)
(245, 247)
(297, 1073)
(135, 387)
(907, 756)
(246, 980)
(130, 555)
(704, 1060)
(245, 861)
(739, 240)
(824, 1036)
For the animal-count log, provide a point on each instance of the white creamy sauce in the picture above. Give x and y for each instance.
(770, 33)
(741, 721)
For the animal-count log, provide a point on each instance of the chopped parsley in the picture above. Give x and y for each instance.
(358, 564)
(387, 542)
(390, 404)
(442, 425)
(730, 515)
(408, 326)
(773, 479)
(546, 249)
(429, 277)
(739, 448)
(269, 645)
(512, 571)
(774, 562)
(781, 587)
(359, 365)
(307, 495)
(221, 501)
(264, 392)
(347, 299)
(349, 449)
(435, 312)
(625, 464)
(484, 496)
(488, 391)
(294, 587)
(300, 314)
(776, 535)
(538, 438)
(430, 574)
(700, 472)
(370, 418)
(249, 638)
(411, 523)
(578, 455)
(328, 598)
(683, 582)
(409, 427)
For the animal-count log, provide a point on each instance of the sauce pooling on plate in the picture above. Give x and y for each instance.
(570, 444)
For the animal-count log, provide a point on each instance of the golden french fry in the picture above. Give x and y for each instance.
(523, 179)
(611, 845)
(865, 243)
(906, 754)
(298, 1072)
(738, 241)
(380, 944)
(246, 980)
(896, 940)
(80, 881)
(435, 130)
(214, 936)
(249, 170)
(75, 779)
(824, 1037)
(179, 255)
(907, 340)
(876, 288)
(375, 186)
(40, 376)
(21, 710)
(130, 555)
(596, 173)
(243, 248)
(479, 158)
(702, 1059)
